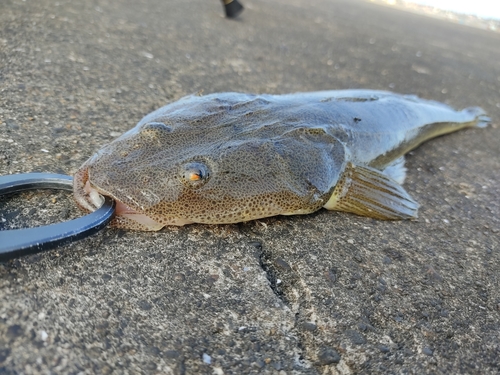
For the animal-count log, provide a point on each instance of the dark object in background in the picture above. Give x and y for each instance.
(232, 7)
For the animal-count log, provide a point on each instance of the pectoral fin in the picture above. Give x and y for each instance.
(368, 192)
(396, 170)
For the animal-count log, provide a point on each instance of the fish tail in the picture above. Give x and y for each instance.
(479, 116)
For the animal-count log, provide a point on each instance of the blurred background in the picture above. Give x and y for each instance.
(481, 13)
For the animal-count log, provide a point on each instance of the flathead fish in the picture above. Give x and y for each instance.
(232, 157)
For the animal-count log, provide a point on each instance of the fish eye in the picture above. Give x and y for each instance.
(155, 128)
(195, 173)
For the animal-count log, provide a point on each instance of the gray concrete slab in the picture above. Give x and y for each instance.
(327, 293)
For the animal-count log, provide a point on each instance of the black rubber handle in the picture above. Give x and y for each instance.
(18, 242)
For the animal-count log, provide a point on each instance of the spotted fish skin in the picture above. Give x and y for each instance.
(232, 157)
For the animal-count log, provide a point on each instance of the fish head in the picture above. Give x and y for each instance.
(170, 171)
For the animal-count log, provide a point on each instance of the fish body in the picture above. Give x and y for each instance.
(232, 157)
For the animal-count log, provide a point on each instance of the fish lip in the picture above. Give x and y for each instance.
(88, 196)
(81, 192)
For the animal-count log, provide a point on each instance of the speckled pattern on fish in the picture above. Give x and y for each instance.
(232, 157)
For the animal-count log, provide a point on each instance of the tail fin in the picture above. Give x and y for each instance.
(481, 118)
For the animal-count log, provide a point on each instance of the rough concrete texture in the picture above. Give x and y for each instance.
(327, 293)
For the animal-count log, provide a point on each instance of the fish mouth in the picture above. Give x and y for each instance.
(90, 198)
(85, 195)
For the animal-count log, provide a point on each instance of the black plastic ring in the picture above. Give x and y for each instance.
(18, 242)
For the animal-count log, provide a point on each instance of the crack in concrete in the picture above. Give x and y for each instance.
(266, 263)
(287, 285)
(294, 290)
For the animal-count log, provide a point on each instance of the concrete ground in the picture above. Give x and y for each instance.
(327, 293)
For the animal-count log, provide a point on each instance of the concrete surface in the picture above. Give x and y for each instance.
(327, 293)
